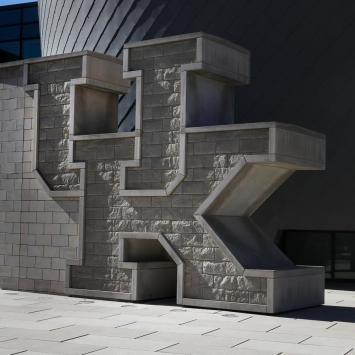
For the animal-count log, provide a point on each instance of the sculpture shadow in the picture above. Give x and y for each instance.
(324, 313)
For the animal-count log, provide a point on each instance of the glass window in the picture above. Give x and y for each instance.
(334, 250)
(10, 17)
(308, 248)
(30, 31)
(30, 14)
(11, 48)
(9, 33)
(344, 256)
(31, 48)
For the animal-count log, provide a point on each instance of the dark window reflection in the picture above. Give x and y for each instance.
(30, 14)
(30, 48)
(30, 31)
(19, 32)
(334, 250)
(8, 33)
(13, 48)
(10, 17)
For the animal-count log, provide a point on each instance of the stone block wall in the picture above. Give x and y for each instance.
(161, 112)
(12, 113)
(38, 233)
(63, 230)
(54, 106)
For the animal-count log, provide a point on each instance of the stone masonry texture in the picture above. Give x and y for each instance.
(209, 274)
(38, 234)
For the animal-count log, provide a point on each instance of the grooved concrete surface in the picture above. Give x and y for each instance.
(33, 323)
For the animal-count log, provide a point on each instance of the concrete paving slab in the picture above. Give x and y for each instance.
(116, 351)
(133, 344)
(270, 336)
(199, 349)
(120, 332)
(170, 328)
(223, 341)
(50, 347)
(51, 324)
(45, 335)
(294, 348)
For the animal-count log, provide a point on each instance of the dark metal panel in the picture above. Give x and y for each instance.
(73, 13)
(78, 24)
(88, 25)
(101, 23)
(61, 24)
(50, 25)
(125, 30)
(114, 25)
(164, 20)
(147, 20)
(54, 24)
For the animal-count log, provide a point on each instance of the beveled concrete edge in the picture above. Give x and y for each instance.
(280, 273)
(99, 85)
(184, 37)
(254, 125)
(17, 63)
(102, 136)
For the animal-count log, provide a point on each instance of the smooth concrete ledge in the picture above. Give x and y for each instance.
(99, 85)
(184, 37)
(17, 63)
(296, 271)
(102, 136)
(253, 125)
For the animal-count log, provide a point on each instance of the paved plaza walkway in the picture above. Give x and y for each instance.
(33, 324)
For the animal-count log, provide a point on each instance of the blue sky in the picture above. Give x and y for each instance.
(11, 2)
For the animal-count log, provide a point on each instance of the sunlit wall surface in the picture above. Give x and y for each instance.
(19, 32)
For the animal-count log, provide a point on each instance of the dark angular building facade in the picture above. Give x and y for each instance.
(301, 73)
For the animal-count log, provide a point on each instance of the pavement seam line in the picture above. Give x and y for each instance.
(210, 331)
(63, 327)
(242, 342)
(189, 321)
(300, 342)
(94, 351)
(144, 335)
(270, 330)
(166, 347)
(242, 320)
(123, 325)
(332, 325)
(44, 319)
(79, 336)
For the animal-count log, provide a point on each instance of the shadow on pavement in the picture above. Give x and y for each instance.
(325, 313)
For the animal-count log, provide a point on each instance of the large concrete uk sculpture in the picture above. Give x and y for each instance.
(165, 209)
